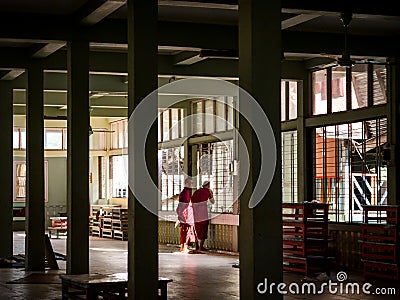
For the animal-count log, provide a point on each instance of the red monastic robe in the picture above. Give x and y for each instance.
(200, 209)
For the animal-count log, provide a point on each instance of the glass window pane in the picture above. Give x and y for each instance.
(121, 130)
(97, 141)
(292, 100)
(16, 138)
(114, 135)
(23, 138)
(283, 100)
(119, 175)
(359, 86)
(175, 125)
(231, 113)
(197, 117)
(220, 116)
(53, 139)
(379, 83)
(289, 166)
(166, 132)
(319, 81)
(125, 123)
(182, 121)
(65, 138)
(338, 89)
(159, 129)
(209, 117)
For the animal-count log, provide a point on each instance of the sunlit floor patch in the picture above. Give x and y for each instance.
(108, 250)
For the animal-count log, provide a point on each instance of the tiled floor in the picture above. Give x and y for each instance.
(200, 276)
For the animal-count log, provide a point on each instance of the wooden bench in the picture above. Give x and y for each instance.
(111, 286)
(56, 230)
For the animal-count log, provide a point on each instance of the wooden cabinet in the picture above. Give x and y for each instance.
(379, 243)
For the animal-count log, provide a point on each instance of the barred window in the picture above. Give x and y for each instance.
(349, 169)
(289, 166)
(215, 164)
(171, 176)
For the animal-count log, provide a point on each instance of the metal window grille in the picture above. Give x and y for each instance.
(172, 176)
(214, 164)
(349, 170)
(289, 166)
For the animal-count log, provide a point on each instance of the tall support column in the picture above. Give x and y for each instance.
(78, 158)
(190, 151)
(260, 229)
(34, 210)
(6, 165)
(304, 145)
(142, 80)
(394, 132)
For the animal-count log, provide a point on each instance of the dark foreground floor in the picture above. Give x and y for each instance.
(195, 276)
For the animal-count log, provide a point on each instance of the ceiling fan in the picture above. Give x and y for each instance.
(345, 59)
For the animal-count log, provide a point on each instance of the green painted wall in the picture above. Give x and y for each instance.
(57, 176)
(57, 187)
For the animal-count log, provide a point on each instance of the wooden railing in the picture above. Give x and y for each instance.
(345, 246)
(220, 236)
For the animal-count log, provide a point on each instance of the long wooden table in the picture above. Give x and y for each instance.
(112, 286)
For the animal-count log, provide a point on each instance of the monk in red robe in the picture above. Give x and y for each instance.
(185, 217)
(200, 209)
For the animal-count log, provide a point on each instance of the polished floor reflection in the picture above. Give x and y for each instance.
(195, 276)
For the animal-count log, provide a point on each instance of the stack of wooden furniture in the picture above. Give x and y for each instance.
(379, 243)
(112, 224)
(97, 221)
(120, 223)
(305, 237)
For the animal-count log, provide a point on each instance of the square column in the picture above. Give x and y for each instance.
(260, 229)
(394, 132)
(142, 80)
(304, 141)
(78, 158)
(6, 165)
(35, 194)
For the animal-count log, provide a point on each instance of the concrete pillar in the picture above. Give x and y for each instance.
(6, 165)
(142, 80)
(78, 158)
(394, 132)
(304, 142)
(35, 194)
(260, 228)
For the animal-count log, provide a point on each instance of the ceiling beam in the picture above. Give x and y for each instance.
(296, 20)
(370, 7)
(44, 50)
(96, 10)
(187, 58)
(213, 36)
(366, 7)
(11, 75)
(227, 4)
